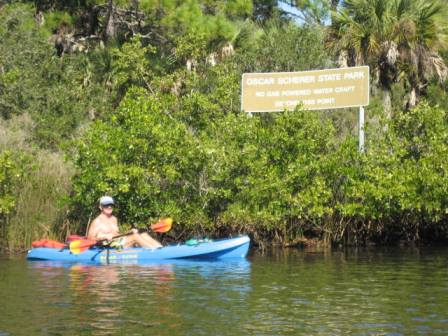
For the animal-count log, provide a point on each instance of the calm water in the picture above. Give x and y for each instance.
(287, 292)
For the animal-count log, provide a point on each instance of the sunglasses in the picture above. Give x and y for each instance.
(108, 206)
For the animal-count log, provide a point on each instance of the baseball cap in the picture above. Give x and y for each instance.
(106, 200)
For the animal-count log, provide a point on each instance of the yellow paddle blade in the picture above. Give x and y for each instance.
(79, 246)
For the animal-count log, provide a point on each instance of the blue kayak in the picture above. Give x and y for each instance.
(213, 249)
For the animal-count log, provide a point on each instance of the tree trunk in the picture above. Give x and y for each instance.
(333, 7)
(334, 4)
(110, 31)
(136, 5)
(387, 104)
(412, 101)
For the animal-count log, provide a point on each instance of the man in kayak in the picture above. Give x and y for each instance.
(105, 227)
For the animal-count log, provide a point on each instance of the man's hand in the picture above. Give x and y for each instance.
(108, 236)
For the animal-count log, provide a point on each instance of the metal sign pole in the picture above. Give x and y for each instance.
(361, 129)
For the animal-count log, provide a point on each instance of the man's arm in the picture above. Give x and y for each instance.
(93, 230)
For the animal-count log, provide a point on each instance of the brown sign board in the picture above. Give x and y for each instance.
(315, 90)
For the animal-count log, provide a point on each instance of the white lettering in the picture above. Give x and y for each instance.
(288, 93)
(292, 102)
(354, 75)
(296, 80)
(260, 81)
(342, 89)
(309, 102)
(323, 90)
(322, 101)
(329, 77)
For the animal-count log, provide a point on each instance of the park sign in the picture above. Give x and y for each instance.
(315, 90)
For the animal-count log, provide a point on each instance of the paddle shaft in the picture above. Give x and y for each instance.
(161, 226)
(121, 235)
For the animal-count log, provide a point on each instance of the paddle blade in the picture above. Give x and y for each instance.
(79, 246)
(163, 225)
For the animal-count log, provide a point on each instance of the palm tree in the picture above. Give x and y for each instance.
(420, 39)
(396, 38)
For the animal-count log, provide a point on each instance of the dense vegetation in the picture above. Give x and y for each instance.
(141, 100)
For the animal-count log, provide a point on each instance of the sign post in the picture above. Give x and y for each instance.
(314, 90)
(361, 129)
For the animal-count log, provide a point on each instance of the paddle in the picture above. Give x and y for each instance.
(79, 246)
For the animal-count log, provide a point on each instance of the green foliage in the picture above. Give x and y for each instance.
(400, 40)
(190, 18)
(238, 8)
(130, 65)
(240, 171)
(285, 47)
(10, 174)
(41, 200)
(437, 94)
(397, 190)
(57, 20)
(155, 120)
(145, 159)
(35, 184)
(281, 175)
(269, 170)
(59, 94)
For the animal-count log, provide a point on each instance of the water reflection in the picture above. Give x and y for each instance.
(283, 292)
(380, 292)
(114, 299)
(93, 288)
